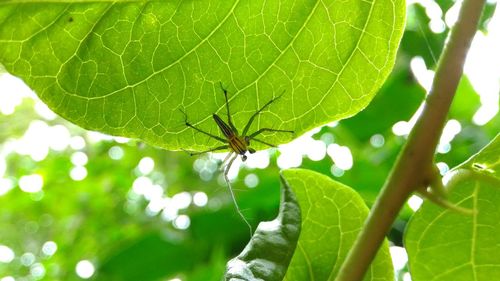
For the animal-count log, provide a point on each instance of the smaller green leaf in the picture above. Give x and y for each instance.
(446, 245)
(267, 255)
(332, 216)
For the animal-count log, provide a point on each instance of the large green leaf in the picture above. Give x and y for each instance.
(332, 216)
(128, 67)
(445, 245)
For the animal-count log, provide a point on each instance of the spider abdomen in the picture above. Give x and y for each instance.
(238, 144)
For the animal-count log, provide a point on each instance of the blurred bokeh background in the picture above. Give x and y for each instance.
(77, 205)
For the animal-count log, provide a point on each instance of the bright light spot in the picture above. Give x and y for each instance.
(341, 155)
(6, 254)
(437, 25)
(27, 259)
(399, 257)
(79, 158)
(198, 164)
(175, 279)
(401, 128)
(200, 199)
(59, 137)
(251, 180)
(235, 168)
(415, 202)
(432, 9)
(443, 148)
(291, 153)
(141, 185)
(78, 173)
(289, 159)
(327, 138)
(451, 129)
(35, 141)
(332, 124)
(12, 94)
(451, 15)
(482, 67)
(77, 143)
(95, 137)
(421, 73)
(155, 192)
(259, 159)
(484, 114)
(448, 176)
(116, 153)
(443, 168)
(269, 226)
(37, 270)
(206, 175)
(207, 167)
(31, 184)
(406, 276)
(8, 278)
(181, 200)
(336, 171)
(169, 213)
(156, 205)
(85, 269)
(3, 164)
(49, 248)
(211, 165)
(182, 222)
(44, 111)
(146, 165)
(121, 139)
(317, 150)
(377, 140)
(5, 186)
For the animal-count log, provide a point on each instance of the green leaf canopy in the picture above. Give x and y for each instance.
(445, 245)
(128, 67)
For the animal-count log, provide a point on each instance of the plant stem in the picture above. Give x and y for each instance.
(414, 168)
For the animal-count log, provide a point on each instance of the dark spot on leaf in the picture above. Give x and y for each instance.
(478, 166)
(70, 19)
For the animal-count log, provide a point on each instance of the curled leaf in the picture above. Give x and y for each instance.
(267, 255)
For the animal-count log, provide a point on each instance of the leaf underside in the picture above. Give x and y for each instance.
(446, 245)
(128, 68)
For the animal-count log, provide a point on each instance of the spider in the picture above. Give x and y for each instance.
(238, 144)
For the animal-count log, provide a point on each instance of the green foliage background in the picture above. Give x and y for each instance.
(101, 219)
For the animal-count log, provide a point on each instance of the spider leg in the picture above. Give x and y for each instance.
(245, 130)
(200, 130)
(227, 108)
(223, 165)
(267, 130)
(208, 150)
(266, 143)
(226, 171)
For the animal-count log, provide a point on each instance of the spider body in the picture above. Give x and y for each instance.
(238, 144)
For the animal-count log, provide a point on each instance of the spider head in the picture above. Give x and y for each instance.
(251, 150)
